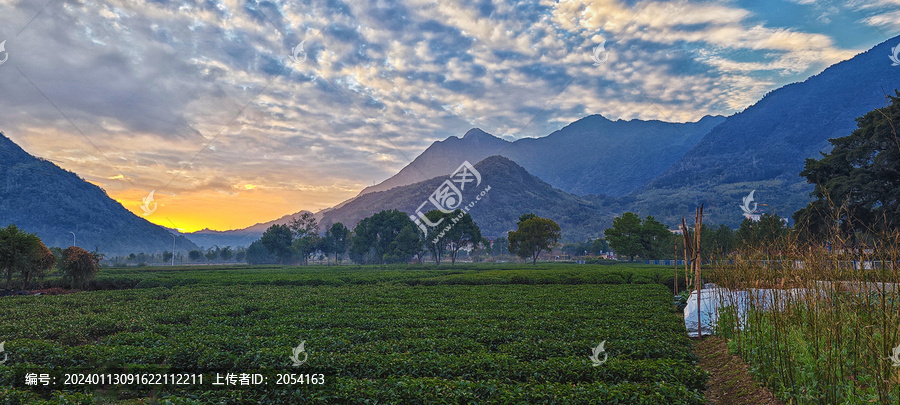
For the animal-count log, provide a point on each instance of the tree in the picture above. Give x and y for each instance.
(41, 260)
(534, 235)
(306, 240)
(598, 246)
(337, 240)
(257, 253)
(22, 253)
(407, 244)
(437, 239)
(463, 232)
(763, 233)
(625, 235)
(79, 266)
(374, 237)
(857, 183)
(211, 254)
(499, 246)
(166, 256)
(226, 253)
(277, 240)
(195, 255)
(631, 237)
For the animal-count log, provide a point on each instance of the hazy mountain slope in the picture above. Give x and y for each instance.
(765, 146)
(239, 237)
(597, 156)
(513, 192)
(39, 197)
(590, 156)
(442, 158)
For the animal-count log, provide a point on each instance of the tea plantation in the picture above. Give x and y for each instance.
(478, 334)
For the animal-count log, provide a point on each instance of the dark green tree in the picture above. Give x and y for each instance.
(336, 240)
(211, 254)
(438, 238)
(226, 253)
(463, 232)
(373, 238)
(656, 239)
(598, 246)
(257, 253)
(533, 235)
(763, 233)
(625, 235)
(857, 183)
(24, 254)
(306, 240)
(277, 240)
(195, 255)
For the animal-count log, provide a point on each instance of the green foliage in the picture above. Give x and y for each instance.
(763, 233)
(630, 237)
(258, 254)
(306, 240)
(857, 182)
(375, 239)
(534, 235)
(463, 232)
(436, 239)
(336, 241)
(23, 254)
(278, 240)
(194, 255)
(386, 335)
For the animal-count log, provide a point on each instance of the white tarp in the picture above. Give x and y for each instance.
(713, 299)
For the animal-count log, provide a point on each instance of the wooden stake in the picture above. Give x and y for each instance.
(695, 263)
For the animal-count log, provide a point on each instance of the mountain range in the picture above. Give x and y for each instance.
(593, 155)
(40, 197)
(581, 175)
(765, 146)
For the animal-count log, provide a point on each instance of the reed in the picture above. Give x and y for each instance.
(823, 314)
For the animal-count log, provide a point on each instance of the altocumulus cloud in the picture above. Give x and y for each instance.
(186, 96)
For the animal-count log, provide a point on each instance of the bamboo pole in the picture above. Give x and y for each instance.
(695, 263)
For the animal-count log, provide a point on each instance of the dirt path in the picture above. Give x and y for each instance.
(729, 380)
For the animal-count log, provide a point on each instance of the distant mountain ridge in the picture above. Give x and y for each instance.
(41, 198)
(513, 192)
(764, 147)
(592, 155)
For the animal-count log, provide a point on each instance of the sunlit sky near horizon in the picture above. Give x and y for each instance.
(202, 102)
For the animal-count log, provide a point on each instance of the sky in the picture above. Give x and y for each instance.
(239, 112)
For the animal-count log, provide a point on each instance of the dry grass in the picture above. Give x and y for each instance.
(823, 330)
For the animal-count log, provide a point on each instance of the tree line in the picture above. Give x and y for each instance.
(25, 258)
(390, 236)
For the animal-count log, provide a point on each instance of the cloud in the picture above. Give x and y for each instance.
(191, 98)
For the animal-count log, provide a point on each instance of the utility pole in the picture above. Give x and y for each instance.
(173, 249)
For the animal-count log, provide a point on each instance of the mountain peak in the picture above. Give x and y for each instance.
(475, 133)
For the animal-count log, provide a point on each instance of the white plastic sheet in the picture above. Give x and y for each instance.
(713, 299)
